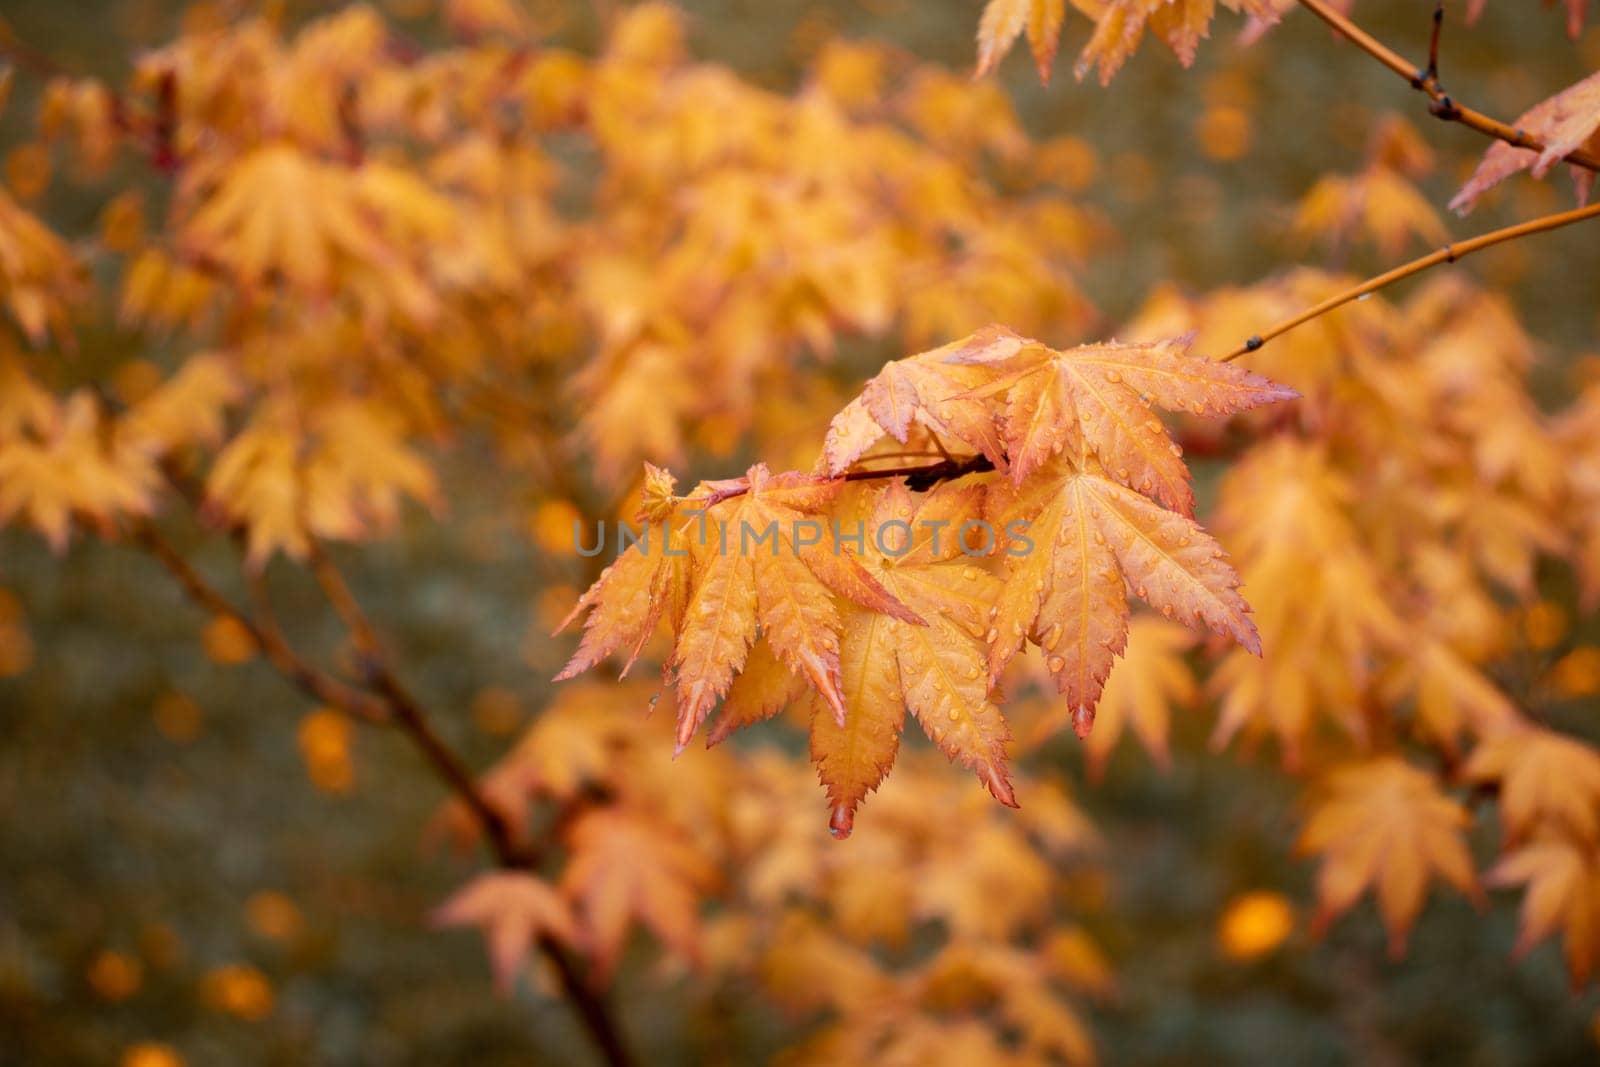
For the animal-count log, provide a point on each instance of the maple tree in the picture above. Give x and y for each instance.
(362, 267)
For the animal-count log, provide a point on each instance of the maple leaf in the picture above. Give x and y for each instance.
(187, 409)
(1578, 435)
(626, 867)
(761, 559)
(342, 477)
(1562, 881)
(1544, 778)
(1379, 203)
(1316, 592)
(1386, 825)
(1151, 680)
(1120, 25)
(936, 669)
(515, 911)
(76, 469)
(1003, 21)
(628, 600)
(38, 276)
(1090, 539)
(1564, 123)
(1097, 398)
(924, 390)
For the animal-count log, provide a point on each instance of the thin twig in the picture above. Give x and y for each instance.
(1448, 254)
(409, 715)
(1440, 103)
(1433, 42)
(317, 684)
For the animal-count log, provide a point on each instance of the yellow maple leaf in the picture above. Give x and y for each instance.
(1562, 891)
(936, 669)
(1385, 825)
(1545, 779)
(1089, 540)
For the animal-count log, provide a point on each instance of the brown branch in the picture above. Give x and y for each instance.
(392, 705)
(1441, 105)
(315, 683)
(1448, 254)
(410, 716)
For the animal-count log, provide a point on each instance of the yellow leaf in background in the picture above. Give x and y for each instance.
(1546, 780)
(1385, 826)
(1561, 881)
(38, 277)
(78, 468)
(114, 976)
(1378, 204)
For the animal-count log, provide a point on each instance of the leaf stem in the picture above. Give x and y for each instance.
(1448, 254)
(1441, 105)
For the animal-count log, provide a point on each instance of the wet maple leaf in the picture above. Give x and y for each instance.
(921, 391)
(1386, 825)
(515, 910)
(1097, 398)
(754, 565)
(1562, 892)
(625, 868)
(1091, 540)
(1139, 696)
(1544, 778)
(935, 669)
(1564, 123)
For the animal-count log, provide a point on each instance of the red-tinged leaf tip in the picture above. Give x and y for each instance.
(841, 821)
(994, 777)
(1082, 721)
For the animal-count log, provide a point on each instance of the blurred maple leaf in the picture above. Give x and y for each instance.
(515, 910)
(1564, 123)
(1385, 825)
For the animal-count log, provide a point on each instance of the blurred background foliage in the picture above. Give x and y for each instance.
(195, 863)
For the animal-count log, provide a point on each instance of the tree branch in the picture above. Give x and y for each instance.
(1448, 254)
(391, 704)
(1441, 105)
(317, 684)
(410, 717)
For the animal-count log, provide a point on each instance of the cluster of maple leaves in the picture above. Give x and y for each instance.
(369, 252)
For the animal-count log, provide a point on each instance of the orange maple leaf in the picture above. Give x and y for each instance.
(1564, 123)
(514, 910)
